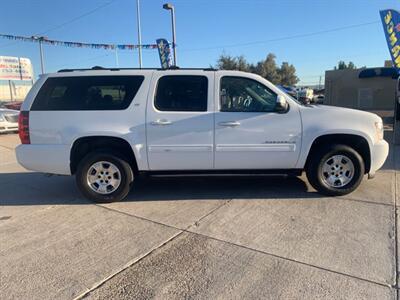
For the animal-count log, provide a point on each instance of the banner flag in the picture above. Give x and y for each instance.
(164, 50)
(391, 26)
(76, 44)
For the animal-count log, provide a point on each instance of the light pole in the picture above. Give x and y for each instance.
(169, 6)
(139, 32)
(116, 58)
(40, 39)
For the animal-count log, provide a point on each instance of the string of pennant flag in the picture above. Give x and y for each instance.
(44, 40)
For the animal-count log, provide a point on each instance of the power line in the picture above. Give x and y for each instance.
(78, 17)
(67, 22)
(283, 38)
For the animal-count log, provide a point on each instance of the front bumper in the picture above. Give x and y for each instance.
(379, 153)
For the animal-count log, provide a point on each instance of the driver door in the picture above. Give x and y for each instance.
(249, 133)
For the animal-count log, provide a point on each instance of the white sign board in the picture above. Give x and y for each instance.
(15, 68)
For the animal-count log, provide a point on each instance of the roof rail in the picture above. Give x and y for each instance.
(97, 68)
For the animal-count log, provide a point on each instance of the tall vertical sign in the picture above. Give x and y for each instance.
(164, 51)
(391, 26)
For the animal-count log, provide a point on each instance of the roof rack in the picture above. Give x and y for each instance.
(97, 68)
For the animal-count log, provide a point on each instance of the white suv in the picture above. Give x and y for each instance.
(106, 126)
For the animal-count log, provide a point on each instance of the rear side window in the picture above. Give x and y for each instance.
(87, 93)
(182, 93)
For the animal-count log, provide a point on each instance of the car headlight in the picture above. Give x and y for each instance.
(2, 118)
(379, 130)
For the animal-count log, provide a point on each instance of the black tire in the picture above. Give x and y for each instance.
(316, 177)
(126, 177)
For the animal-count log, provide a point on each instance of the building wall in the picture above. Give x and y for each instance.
(344, 88)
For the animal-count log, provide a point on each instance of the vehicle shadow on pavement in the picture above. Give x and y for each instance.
(219, 187)
(39, 189)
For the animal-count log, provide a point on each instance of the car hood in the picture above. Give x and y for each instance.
(340, 113)
(320, 120)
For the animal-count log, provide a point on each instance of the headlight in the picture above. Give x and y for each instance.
(2, 118)
(379, 130)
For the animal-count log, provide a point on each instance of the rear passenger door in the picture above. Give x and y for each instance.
(179, 121)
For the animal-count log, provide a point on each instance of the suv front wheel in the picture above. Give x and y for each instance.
(104, 177)
(335, 170)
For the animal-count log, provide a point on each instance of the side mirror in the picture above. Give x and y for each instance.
(281, 104)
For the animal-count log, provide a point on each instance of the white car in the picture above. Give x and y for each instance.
(107, 126)
(8, 120)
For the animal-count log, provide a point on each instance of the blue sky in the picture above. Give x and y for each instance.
(205, 29)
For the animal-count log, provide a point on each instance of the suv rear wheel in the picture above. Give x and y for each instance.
(104, 177)
(335, 170)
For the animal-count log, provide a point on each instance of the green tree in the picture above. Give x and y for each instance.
(242, 64)
(227, 62)
(343, 66)
(351, 66)
(287, 74)
(267, 68)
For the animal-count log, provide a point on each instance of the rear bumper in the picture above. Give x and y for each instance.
(379, 153)
(45, 158)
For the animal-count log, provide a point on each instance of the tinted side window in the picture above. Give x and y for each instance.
(182, 93)
(87, 93)
(239, 94)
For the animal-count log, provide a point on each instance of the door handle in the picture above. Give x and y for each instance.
(229, 123)
(161, 122)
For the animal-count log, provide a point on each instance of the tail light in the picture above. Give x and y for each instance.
(23, 127)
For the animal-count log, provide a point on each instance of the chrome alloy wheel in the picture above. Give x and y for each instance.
(103, 177)
(337, 171)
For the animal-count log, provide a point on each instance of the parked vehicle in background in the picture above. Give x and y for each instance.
(108, 126)
(305, 95)
(8, 120)
(289, 90)
(16, 105)
(318, 99)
